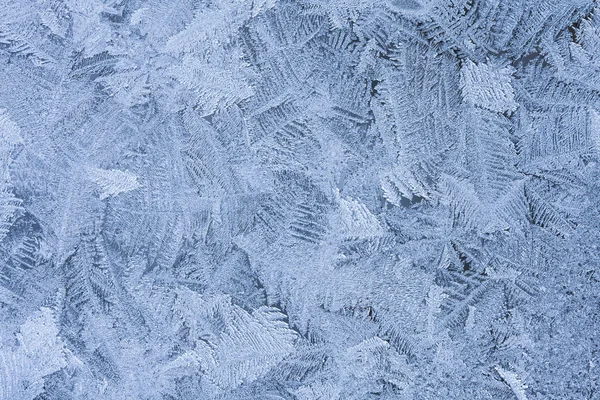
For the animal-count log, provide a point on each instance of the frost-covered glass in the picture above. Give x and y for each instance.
(299, 200)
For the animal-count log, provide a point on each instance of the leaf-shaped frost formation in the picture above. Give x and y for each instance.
(113, 181)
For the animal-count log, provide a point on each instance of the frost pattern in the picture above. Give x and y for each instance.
(303, 200)
(113, 182)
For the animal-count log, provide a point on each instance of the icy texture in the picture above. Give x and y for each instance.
(303, 200)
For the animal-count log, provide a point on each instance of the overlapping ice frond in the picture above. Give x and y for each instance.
(274, 199)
